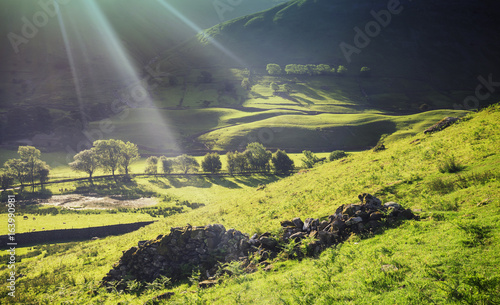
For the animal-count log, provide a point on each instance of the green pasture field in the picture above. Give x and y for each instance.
(449, 256)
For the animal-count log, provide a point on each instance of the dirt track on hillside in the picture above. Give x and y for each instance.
(80, 202)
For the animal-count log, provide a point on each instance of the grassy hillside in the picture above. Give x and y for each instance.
(310, 31)
(414, 67)
(39, 73)
(449, 256)
(294, 130)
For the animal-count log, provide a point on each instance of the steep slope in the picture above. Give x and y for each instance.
(447, 43)
(449, 256)
(36, 64)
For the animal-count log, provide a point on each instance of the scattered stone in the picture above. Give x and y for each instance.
(441, 124)
(207, 248)
(484, 202)
(353, 220)
(393, 205)
(298, 223)
(268, 242)
(207, 284)
(388, 268)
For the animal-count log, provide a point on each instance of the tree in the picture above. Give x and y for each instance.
(29, 167)
(236, 162)
(43, 173)
(282, 162)
(130, 153)
(309, 159)
(166, 165)
(275, 86)
(258, 157)
(211, 163)
(245, 83)
(30, 157)
(312, 70)
(324, 69)
(109, 154)
(152, 165)
(287, 88)
(17, 169)
(291, 69)
(365, 72)
(337, 154)
(85, 161)
(6, 180)
(274, 69)
(341, 71)
(186, 163)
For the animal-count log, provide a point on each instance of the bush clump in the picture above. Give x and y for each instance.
(450, 165)
(337, 154)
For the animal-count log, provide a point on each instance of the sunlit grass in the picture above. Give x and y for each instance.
(434, 260)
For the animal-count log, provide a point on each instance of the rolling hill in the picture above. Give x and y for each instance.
(427, 56)
(448, 256)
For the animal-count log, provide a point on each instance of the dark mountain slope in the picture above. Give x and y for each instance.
(448, 43)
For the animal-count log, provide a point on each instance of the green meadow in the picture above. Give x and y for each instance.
(449, 178)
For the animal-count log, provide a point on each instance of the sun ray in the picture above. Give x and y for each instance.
(199, 30)
(72, 63)
(90, 34)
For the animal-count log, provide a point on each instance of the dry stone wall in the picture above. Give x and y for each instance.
(205, 248)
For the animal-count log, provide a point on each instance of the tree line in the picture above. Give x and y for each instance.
(295, 69)
(254, 158)
(321, 69)
(114, 156)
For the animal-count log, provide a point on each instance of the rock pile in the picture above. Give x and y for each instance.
(367, 216)
(441, 124)
(178, 253)
(205, 248)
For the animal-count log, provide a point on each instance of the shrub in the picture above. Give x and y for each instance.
(337, 154)
(379, 147)
(365, 72)
(341, 71)
(450, 165)
(282, 162)
(309, 159)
